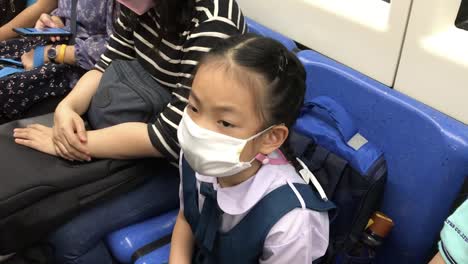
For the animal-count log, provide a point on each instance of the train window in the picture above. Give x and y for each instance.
(462, 17)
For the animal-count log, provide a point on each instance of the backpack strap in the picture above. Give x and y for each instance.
(74, 6)
(190, 192)
(276, 204)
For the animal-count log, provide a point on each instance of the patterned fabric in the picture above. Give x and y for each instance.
(95, 20)
(21, 90)
(94, 26)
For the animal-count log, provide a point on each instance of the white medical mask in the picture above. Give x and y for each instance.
(210, 153)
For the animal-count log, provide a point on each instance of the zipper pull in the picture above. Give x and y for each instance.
(12, 6)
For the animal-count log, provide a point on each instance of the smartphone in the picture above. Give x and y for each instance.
(42, 32)
(11, 62)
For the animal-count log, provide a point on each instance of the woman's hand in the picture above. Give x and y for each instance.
(69, 135)
(48, 21)
(37, 137)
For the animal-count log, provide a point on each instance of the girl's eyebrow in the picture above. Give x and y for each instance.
(195, 97)
(226, 109)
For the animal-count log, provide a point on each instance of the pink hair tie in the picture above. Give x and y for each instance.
(264, 159)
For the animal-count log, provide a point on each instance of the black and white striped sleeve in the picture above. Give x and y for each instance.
(163, 133)
(121, 43)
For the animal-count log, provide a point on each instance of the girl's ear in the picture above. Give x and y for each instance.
(273, 139)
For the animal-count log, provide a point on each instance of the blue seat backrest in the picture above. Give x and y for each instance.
(256, 28)
(426, 151)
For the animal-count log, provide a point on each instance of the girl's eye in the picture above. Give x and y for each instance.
(225, 124)
(193, 109)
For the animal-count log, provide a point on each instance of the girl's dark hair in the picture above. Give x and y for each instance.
(175, 17)
(282, 71)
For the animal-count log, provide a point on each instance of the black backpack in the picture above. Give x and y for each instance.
(9, 9)
(351, 170)
(40, 192)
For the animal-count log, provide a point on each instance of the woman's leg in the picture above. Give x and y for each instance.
(76, 241)
(20, 91)
(14, 48)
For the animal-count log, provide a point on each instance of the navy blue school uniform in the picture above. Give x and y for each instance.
(273, 217)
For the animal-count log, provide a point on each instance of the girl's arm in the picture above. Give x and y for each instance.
(438, 259)
(27, 18)
(182, 242)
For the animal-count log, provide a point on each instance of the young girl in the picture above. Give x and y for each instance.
(241, 200)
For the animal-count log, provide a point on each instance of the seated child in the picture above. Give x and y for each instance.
(242, 200)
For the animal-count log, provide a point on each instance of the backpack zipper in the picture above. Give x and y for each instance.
(12, 6)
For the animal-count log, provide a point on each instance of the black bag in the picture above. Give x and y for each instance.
(351, 170)
(126, 93)
(9, 9)
(39, 192)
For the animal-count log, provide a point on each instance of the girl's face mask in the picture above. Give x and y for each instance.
(210, 153)
(139, 7)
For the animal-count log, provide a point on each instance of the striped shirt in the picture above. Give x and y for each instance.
(173, 62)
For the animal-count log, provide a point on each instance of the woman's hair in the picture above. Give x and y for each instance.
(175, 17)
(265, 62)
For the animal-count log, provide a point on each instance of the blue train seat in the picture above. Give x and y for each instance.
(124, 242)
(256, 28)
(426, 152)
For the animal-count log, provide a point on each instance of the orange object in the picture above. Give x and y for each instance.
(381, 224)
(61, 54)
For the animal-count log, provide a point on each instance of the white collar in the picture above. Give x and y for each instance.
(241, 198)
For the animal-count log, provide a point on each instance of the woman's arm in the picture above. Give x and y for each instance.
(182, 242)
(69, 134)
(80, 97)
(27, 18)
(123, 141)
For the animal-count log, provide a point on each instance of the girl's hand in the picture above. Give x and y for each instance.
(28, 60)
(48, 21)
(69, 135)
(37, 137)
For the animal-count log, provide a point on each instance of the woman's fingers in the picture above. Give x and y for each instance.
(25, 142)
(63, 152)
(47, 21)
(21, 133)
(69, 140)
(57, 21)
(75, 143)
(38, 138)
(80, 129)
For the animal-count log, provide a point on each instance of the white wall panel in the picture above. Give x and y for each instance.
(364, 34)
(434, 63)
